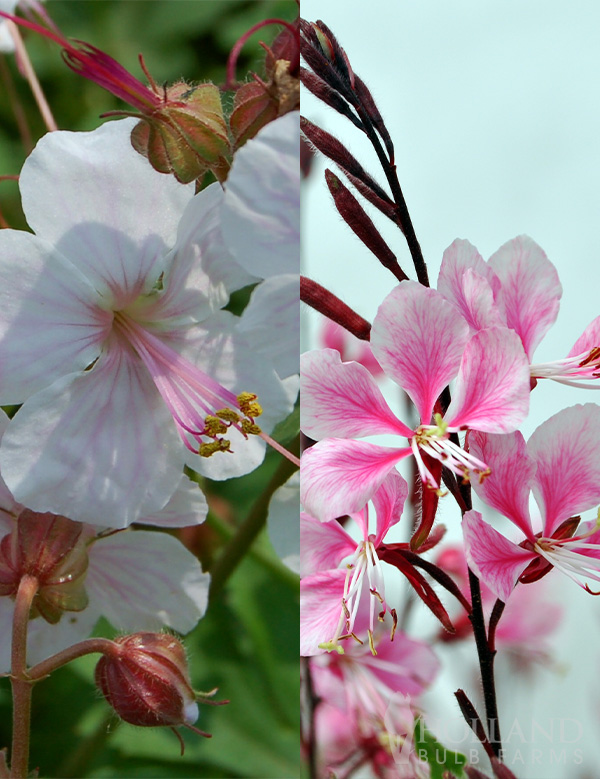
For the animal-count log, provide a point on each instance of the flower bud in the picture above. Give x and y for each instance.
(51, 549)
(146, 681)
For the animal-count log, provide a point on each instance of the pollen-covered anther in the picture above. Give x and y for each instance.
(592, 357)
(250, 428)
(220, 445)
(248, 404)
(213, 426)
(371, 643)
(228, 415)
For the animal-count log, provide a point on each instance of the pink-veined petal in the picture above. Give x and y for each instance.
(508, 486)
(492, 389)
(589, 339)
(143, 580)
(403, 665)
(530, 294)
(50, 322)
(98, 447)
(389, 504)
(566, 448)
(320, 609)
(496, 560)
(261, 210)
(341, 399)
(186, 507)
(323, 545)
(469, 282)
(418, 338)
(103, 206)
(339, 476)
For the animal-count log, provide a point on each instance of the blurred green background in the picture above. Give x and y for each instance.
(247, 645)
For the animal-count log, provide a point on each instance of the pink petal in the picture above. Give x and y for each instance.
(469, 282)
(141, 580)
(323, 545)
(51, 322)
(389, 503)
(566, 449)
(495, 559)
(320, 609)
(531, 291)
(104, 207)
(403, 665)
(418, 338)
(339, 476)
(98, 447)
(492, 388)
(589, 339)
(508, 486)
(341, 399)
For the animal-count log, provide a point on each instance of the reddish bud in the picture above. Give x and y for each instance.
(51, 549)
(361, 225)
(146, 681)
(326, 303)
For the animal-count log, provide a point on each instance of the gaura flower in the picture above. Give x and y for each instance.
(561, 465)
(330, 594)
(518, 288)
(109, 331)
(422, 342)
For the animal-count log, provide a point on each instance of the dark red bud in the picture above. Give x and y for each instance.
(147, 682)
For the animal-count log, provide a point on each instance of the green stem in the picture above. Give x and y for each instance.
(240, 543)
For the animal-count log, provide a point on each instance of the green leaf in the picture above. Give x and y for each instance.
(436, 755)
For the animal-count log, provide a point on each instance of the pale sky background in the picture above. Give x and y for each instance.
(494, 110)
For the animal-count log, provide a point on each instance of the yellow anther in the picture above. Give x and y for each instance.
(207, 450)
(371, 643)
(248, 404)
(329, 646)
(249, 428)
(228, 414)
(214, 426)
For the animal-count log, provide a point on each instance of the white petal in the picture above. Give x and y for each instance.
(50, 321)
(219, 350)
(261, 212)
(271, 322)
(143, 580)
(97, 447)
(103, 206)
(187, 507)
(283, 522)
(202, 271)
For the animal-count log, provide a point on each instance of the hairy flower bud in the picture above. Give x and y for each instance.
(146, 681)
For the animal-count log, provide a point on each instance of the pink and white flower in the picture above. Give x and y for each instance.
(519, 288)
(110, 333)
(560, 464)
(422, 342)
(330, 594)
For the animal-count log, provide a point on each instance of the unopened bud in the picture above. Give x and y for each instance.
(146, 681)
